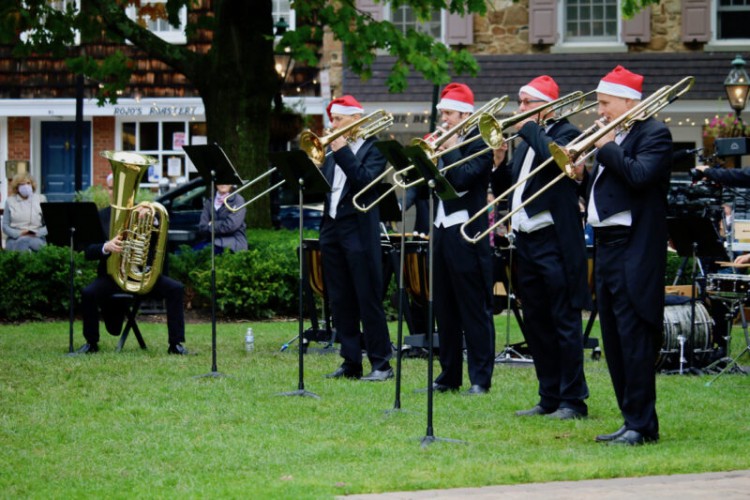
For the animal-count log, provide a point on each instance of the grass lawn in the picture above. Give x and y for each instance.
(144, 424)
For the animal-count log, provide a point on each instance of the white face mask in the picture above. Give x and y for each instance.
(25, 190)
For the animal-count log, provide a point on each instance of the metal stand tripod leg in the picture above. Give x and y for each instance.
(509, 354)
(732, 364)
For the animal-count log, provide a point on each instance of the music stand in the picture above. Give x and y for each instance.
(439, 185)
(75, 225)
(694, 237)
(214, 167)
(298, 170)
(394, 153)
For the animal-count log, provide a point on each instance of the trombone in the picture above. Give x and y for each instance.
(315, 146)
(568, 157)
(429, 144)
(519, 183)
(579, 149)
(491, 129)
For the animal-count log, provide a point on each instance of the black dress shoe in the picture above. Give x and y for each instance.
(177, 349)
(378, 375)
(566, 414)
(477, 389)
(536, 410)
(342, 372)
(633, 438)
(443, 388)
(88, 349)
(603, 438)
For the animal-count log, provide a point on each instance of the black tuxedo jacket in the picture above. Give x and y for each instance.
(561, 200)
(360, 170)
(95, 251)
(473, 177)
(636, 178)
(729, 177)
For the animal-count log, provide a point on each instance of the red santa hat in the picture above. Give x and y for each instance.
(542, 87)
(344, 105)
(621, 83)
(457, 97)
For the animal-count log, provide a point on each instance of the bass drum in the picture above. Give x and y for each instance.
(676, 324)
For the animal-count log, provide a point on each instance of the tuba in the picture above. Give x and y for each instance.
(137, 267)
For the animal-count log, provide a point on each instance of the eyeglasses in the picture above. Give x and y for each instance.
(526, 102)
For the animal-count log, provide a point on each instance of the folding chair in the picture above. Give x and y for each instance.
(131, 304)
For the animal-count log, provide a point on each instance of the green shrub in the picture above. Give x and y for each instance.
(37, 284)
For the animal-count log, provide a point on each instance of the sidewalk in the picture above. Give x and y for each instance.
(724, 485)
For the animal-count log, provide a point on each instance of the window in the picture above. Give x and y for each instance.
(159, 25)
(404, 18)
(281, 8)
(732, 19)
(162, 140)
(590, 21)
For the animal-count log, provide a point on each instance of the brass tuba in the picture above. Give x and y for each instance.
(137, 268)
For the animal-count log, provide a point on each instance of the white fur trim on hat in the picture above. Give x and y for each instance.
(617, 90)
(346, 110)
(528, 89)
(454, 105)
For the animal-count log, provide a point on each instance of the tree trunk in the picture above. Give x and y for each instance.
(237, 86)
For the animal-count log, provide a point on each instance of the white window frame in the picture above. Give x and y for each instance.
(388, 16)
(728, 44)
(173, 35)
(289, 14)
(62, 3)
(563, 45)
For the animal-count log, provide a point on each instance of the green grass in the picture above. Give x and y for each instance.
(143, 424)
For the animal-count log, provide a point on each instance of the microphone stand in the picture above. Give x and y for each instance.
(214, 370)
(301, 308)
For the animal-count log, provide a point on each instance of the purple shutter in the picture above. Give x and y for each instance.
(459, 29)
(696, 21)
(542, 21)
(370, 7)
(637, 29)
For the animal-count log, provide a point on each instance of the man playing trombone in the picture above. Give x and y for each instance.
(350, 246)
(462, 272)
(627, 206)
(551, 254)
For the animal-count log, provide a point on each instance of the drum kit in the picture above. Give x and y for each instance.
(734, 290)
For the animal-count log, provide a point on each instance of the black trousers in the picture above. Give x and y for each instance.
(553, 327)
(352, 271)
(463, 308)
(98, 295)
(630, 343)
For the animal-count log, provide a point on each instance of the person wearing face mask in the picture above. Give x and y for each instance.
(229, 226)
(23, 223)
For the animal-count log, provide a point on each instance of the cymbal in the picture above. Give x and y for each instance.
(732, 264)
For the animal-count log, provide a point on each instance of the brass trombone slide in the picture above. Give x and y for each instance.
(315, 146)
(502, 196)
(429, 144)
(569, 156)
(491, 129)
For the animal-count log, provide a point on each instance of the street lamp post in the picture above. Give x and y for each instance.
(283, 62)
(736, 86)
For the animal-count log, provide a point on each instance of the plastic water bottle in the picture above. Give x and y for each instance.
(249, 340)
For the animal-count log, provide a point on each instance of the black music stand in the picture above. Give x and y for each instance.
(396, 156)
(214, 167)
(694, 237)
(298, 170)
(439, 185)
(75, 225)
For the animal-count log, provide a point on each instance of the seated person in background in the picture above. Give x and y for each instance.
(229, 226)
(22, 220)
(99, 294)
